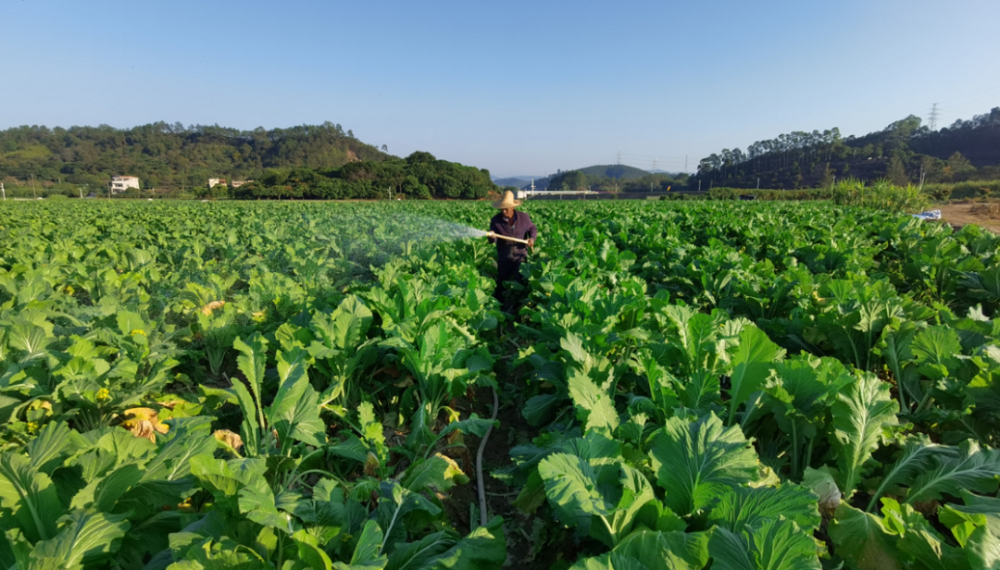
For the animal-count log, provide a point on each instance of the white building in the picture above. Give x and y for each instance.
(238, 183)
(212, 182)
(122, 183)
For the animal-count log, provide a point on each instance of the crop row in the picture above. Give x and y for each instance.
(294, 385)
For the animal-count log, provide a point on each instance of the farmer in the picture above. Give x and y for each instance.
(510, 223)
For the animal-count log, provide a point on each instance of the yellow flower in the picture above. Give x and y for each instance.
(138, 331)
(32, 427)
(103, 394)
(69, 290)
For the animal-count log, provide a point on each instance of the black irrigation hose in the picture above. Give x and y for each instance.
(479, 462)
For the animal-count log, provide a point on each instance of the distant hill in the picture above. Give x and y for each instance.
(165, 155)
(904, 152)
(515, 181)
(616, 171)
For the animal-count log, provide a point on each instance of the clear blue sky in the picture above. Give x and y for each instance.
(519, 87)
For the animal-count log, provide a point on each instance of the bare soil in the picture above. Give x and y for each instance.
(962, 213)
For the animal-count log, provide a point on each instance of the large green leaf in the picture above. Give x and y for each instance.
(485, 548)
(85, 538)
(369, 546)
(573, 488)
(776, 544)
(752, 362)
(916, 457)
(252, 362)
(696, 461)
(972, 469)
(348, 324)
(593, 401)
(666, 550)
(251, 427)
(294, 414)
(863, 539)
(30, 498)
(740, 506)
(53, 442)
(862, 416)
(920, 545)
(104, 492)
(438, 473)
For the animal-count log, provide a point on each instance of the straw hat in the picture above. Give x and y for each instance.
(508, 201)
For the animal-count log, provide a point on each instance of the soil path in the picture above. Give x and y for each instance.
(961, 214)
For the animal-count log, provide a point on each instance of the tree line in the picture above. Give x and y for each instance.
(171, 155)
(904, 152)
(418, 176)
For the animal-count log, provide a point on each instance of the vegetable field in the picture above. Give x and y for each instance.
(305, 386)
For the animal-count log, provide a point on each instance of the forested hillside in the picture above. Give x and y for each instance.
(904, 152)
(615, 177)
(165, 155)
(419, 176)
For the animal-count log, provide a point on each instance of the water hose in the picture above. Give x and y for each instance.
(498, 236)
(479, 462)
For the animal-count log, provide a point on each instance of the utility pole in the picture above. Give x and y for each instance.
(654, 164)
(758, 182)
(699, 185)
(33, 193)
(685, 163)
(934, 116)
(4, 192)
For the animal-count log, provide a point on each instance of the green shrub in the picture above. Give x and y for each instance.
(880, 195)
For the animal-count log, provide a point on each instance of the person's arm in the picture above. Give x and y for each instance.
(493, 229)
(532, 232)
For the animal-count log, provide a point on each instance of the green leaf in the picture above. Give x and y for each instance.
(574, 346)
(740, 506)
(822, 482)
(863, 539)
(485, 548)
(369, 545)
(29, 496)
(917, 457)
(294, 414)
(972, 469)
(752, 362)
(983, 549)
(439, 473)
(592, 401)
(696, 461)
(85, 538)
(258, 504)
(665, 550)
(416, 555)
(934, 349)
(777, 544)
(53, 443)
(862, 415)
(573, 488)
(348, 324)
(104, 492)
(920, 544)
(310, 553)
(250, 428)
(252, 362)
(636, 493)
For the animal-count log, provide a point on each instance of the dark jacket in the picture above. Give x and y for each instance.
(522, 228)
